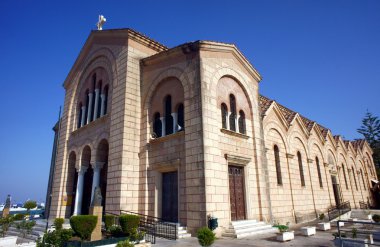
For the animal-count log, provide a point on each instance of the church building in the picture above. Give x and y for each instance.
(182, 134)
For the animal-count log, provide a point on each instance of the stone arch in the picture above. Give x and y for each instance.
(296, 135)
(274, 126)
(71, 181)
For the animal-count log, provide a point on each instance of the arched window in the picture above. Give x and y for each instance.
(361, 172)
(224, 110)
(301, 169)
(319, 172)
(233, 113)
(157, 125)
(87, 105)
(105, 99)
(99, 99)
(242, 129)
(168, 115)
(79, 120)
(345, 178)
(354, 175)
(278, 164)
(181, 118)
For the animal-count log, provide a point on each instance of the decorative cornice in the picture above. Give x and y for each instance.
(233, 133)
(240, 160)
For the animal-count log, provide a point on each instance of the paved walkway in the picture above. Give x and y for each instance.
(321, 239)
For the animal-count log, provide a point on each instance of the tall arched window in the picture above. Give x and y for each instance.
(361, 172)
(301, 169)
(105, 99)
(181, 118)
(345, 178)
(319, 172)
(99, 100)
(224, 110)
(233, 112)
(157, 125)
(354, 175)
(242, 128)
(168, 115)
(87, 105)
(79, 120)
(278, 164)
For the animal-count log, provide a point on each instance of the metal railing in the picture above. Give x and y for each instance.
(363, 233)
(363, 205)
(338, 210)
(158, 226)
(152, 226)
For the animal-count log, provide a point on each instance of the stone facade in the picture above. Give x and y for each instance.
(137, 113)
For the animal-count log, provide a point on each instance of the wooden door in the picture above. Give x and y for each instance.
(170, 196)
(237, 197)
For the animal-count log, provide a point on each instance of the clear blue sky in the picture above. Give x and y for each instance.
(320, 58)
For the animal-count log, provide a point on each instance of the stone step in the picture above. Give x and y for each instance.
(186, 235)
(241, 229)
(242, 222)
(248, 225)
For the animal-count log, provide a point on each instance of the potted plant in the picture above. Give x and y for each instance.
(322, 225)
(284, 233)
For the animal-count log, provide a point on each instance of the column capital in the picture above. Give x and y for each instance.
(82, 170)
(326, 164)
(309, 160)
(98, 165)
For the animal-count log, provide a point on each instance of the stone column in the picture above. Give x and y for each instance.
(96, 104)
(79, 193)
(97, 210)
(102, 104)
(163, 132)
(82, 121)
(89, 107)
(175, 122)
(228, 120)
(95, 180)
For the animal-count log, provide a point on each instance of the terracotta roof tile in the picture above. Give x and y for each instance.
(358, 144)
(264, 104)
(288, 114)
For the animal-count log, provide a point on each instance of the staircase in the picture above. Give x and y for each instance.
(244, 228)
(182, 232)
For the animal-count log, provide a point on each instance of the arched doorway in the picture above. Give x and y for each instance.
(87, 183)
(102, 159)
(72, 178)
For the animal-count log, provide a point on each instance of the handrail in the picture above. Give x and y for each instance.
(363, 205)
(338, 210)
(369, 229)
(143, 215)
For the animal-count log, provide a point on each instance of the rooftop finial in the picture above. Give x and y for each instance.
(101, 22)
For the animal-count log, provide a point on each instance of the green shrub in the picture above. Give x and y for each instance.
(25, 227)
(17, 217)
(205, 236)
(376, 218)
(282, 228)
(129, 223)
(55, 238)
(83, 225)
(58, 222)
(125, 243)
(116, 231)
(5, 223)
(321, 216)
(109, 220)
(354, 232)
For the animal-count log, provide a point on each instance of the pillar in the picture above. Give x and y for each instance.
(175, 122)
(95, 116)
(163, 126)
(96, 179)
(89, 107)
(228, 120)
(103, 104)
(79, 193)
(82, 121)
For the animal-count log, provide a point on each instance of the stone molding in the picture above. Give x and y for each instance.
(235, 159)
(233, 133)
(290, 156)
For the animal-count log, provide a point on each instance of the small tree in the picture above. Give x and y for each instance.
(25, 227)
(4, 224)
(29, 205)
(205, 236)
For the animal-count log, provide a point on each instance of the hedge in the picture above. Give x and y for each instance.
(129, 223)
(83, 225)
(109, 220)
(58, 222)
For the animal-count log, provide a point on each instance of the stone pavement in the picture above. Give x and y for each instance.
(321, 239)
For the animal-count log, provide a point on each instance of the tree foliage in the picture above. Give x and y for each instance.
(30, 204)
(370, 129)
